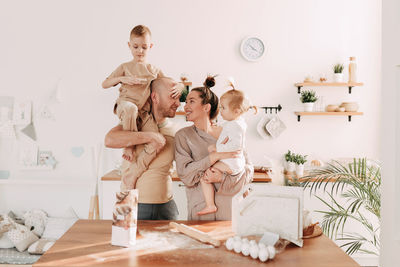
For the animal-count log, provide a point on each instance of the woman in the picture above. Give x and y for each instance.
(193, 161)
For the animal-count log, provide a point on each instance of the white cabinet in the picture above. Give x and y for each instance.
(179, 191)
(108, 191)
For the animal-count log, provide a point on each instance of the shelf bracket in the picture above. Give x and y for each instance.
(350, 89)
(298, 89)
(298, 117)
(349, 118)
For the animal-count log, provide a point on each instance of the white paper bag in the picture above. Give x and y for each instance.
(124, 224)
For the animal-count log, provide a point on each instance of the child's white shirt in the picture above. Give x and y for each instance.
(235, 130)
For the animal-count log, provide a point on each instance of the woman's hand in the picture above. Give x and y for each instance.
(212, 175)
(215, 156)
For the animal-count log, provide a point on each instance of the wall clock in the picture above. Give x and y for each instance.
(252, 48)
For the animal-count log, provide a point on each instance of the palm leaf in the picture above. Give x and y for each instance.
(359, 184)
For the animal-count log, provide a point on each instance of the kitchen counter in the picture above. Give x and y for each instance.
(113, 175)
(87, 243)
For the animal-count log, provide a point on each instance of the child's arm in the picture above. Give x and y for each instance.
(119, 76)
(212, 148)
(109, 82)
(176, 91)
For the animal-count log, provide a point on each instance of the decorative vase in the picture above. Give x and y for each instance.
(308, 107)
(290, 166)
(299, 170)
(338, 77)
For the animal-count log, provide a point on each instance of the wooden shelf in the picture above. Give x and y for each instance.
(307, 84)
(115, 176)
(349, 114)
(187, 83)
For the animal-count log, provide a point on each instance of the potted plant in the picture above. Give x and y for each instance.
(338, 73)
(308, 98)
(289, 158)
(300, 160)
(358, 184)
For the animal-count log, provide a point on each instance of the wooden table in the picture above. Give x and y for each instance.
(87, 243)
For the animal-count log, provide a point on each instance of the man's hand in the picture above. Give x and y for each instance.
(212, 175)
(157, 141)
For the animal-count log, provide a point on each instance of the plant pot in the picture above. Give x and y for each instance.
(338, 77)
(308, 107)
(299, 170)
(290, 166)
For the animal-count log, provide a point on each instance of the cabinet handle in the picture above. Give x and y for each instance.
(181, 185)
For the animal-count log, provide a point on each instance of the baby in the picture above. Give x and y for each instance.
(133, 106)
(232, 138)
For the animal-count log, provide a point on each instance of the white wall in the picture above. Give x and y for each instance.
(81, 42)
(390, 236)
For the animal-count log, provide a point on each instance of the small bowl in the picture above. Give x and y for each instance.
(331, 108)
(350, 106)
(340, 109)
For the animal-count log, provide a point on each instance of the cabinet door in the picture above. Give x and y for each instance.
(108, 191)
(179, 191)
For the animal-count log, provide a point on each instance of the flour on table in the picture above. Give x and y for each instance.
(167, 240)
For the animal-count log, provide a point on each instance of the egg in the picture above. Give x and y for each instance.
(229, 243)
(252, 242)
(245, 240)
(263, 254)
(237, 246)
(271, 251)
(237, 238)
(261, 245)
(254, 252)
(245, 248)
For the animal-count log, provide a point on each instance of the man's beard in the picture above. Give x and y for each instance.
(168, 112)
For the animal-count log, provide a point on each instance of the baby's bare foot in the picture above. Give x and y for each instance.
(128, 154)
(208, 210)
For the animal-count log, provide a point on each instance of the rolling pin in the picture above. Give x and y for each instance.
(196, 234)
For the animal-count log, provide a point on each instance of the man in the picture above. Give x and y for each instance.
(155, 184)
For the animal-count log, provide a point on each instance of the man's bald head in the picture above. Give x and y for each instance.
(162, 85)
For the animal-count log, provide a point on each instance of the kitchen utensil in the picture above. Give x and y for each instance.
(261, 127)
(275, 127)
(350, 106)
(194, 233)
(331, 108)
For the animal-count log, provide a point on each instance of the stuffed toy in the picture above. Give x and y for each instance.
(35, 221)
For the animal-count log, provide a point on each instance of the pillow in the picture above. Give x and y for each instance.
(21, 237)
(56, 227)
(40, 246)
(5, 242)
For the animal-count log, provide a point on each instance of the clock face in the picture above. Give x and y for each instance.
(252, 48)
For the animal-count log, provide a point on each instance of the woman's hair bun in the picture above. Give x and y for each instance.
(209, 82)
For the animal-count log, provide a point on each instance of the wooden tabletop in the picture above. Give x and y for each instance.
(115, 176)
(87, 243)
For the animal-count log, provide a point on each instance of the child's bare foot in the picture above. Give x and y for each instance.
(208, 210)
(128, 154)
